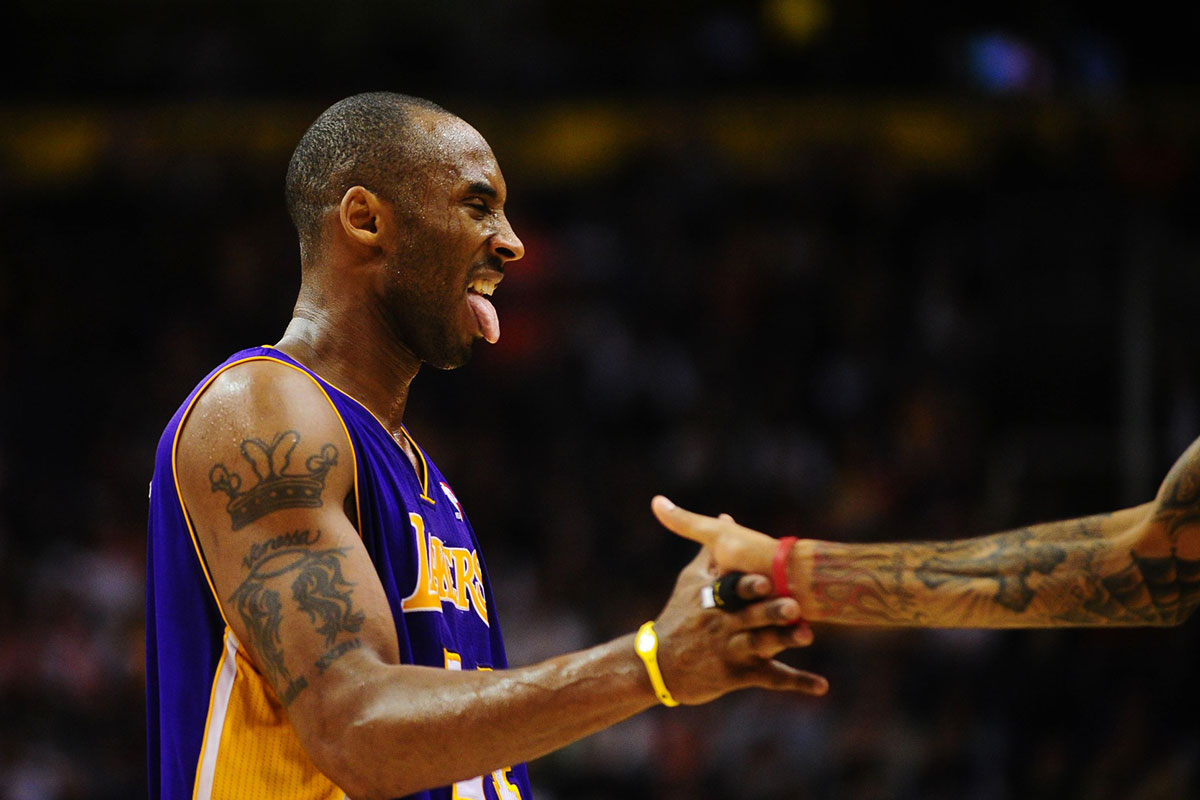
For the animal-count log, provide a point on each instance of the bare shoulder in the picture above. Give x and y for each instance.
(262, 437)
(253, 392)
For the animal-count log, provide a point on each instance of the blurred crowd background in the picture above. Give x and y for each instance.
(855, 270)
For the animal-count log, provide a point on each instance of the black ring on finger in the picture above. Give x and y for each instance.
(725, 593)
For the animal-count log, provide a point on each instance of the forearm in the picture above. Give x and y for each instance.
(1071, 573)
(410, 728)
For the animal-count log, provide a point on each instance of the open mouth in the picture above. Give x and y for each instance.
(482, 286)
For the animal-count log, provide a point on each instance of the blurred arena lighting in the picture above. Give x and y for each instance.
(796, 22)
(1003, 63)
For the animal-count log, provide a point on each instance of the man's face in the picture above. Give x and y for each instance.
(452, 242)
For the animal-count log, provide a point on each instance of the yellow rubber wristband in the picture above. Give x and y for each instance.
(645, 644)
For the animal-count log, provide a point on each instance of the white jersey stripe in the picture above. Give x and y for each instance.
(222, 689)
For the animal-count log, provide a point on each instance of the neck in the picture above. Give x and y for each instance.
(350, 352)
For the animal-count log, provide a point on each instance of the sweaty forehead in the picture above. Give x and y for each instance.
(460, 154)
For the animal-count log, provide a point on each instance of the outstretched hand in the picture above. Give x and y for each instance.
(706, 652)
(733, 546)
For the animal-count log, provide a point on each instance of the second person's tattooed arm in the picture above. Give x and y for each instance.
(1139, 566)
(1075, 572)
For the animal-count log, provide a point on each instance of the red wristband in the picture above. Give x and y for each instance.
(779, 566)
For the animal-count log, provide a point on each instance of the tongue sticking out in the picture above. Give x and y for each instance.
(485, 314)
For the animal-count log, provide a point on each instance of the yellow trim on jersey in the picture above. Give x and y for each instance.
(424, 466)
(175, 459)
(423, 477)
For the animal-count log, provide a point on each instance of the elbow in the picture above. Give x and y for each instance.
(333, 750)
(340, 751)
(347, 750)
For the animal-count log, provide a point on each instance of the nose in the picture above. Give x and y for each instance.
(505, 244)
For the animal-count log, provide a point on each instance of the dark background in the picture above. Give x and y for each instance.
(856, 270)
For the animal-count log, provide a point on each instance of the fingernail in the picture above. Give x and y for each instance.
(666, 503)
(787, 609)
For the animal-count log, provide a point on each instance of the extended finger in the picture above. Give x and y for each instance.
(687, 524)
(776, 675)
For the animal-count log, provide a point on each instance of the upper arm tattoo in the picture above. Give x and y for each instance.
(276, 487)
(318, 588)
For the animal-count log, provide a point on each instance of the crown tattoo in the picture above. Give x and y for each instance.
(276, 487)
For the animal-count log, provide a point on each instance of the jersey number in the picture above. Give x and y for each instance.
(473, 789)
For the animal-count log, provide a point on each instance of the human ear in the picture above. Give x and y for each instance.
(359, 214)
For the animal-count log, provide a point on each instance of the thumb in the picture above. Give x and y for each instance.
(687, 524)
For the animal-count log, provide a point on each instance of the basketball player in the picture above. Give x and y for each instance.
(1138, 566)
(319, 617)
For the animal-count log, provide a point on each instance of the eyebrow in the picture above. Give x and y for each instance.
(486, 189)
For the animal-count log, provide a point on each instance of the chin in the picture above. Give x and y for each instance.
(450, 360)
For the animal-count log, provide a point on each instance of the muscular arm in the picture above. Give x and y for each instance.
(1139, 566)
(266, 471)
(1074, 572)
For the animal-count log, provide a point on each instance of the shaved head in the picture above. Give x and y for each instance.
(371, 140)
